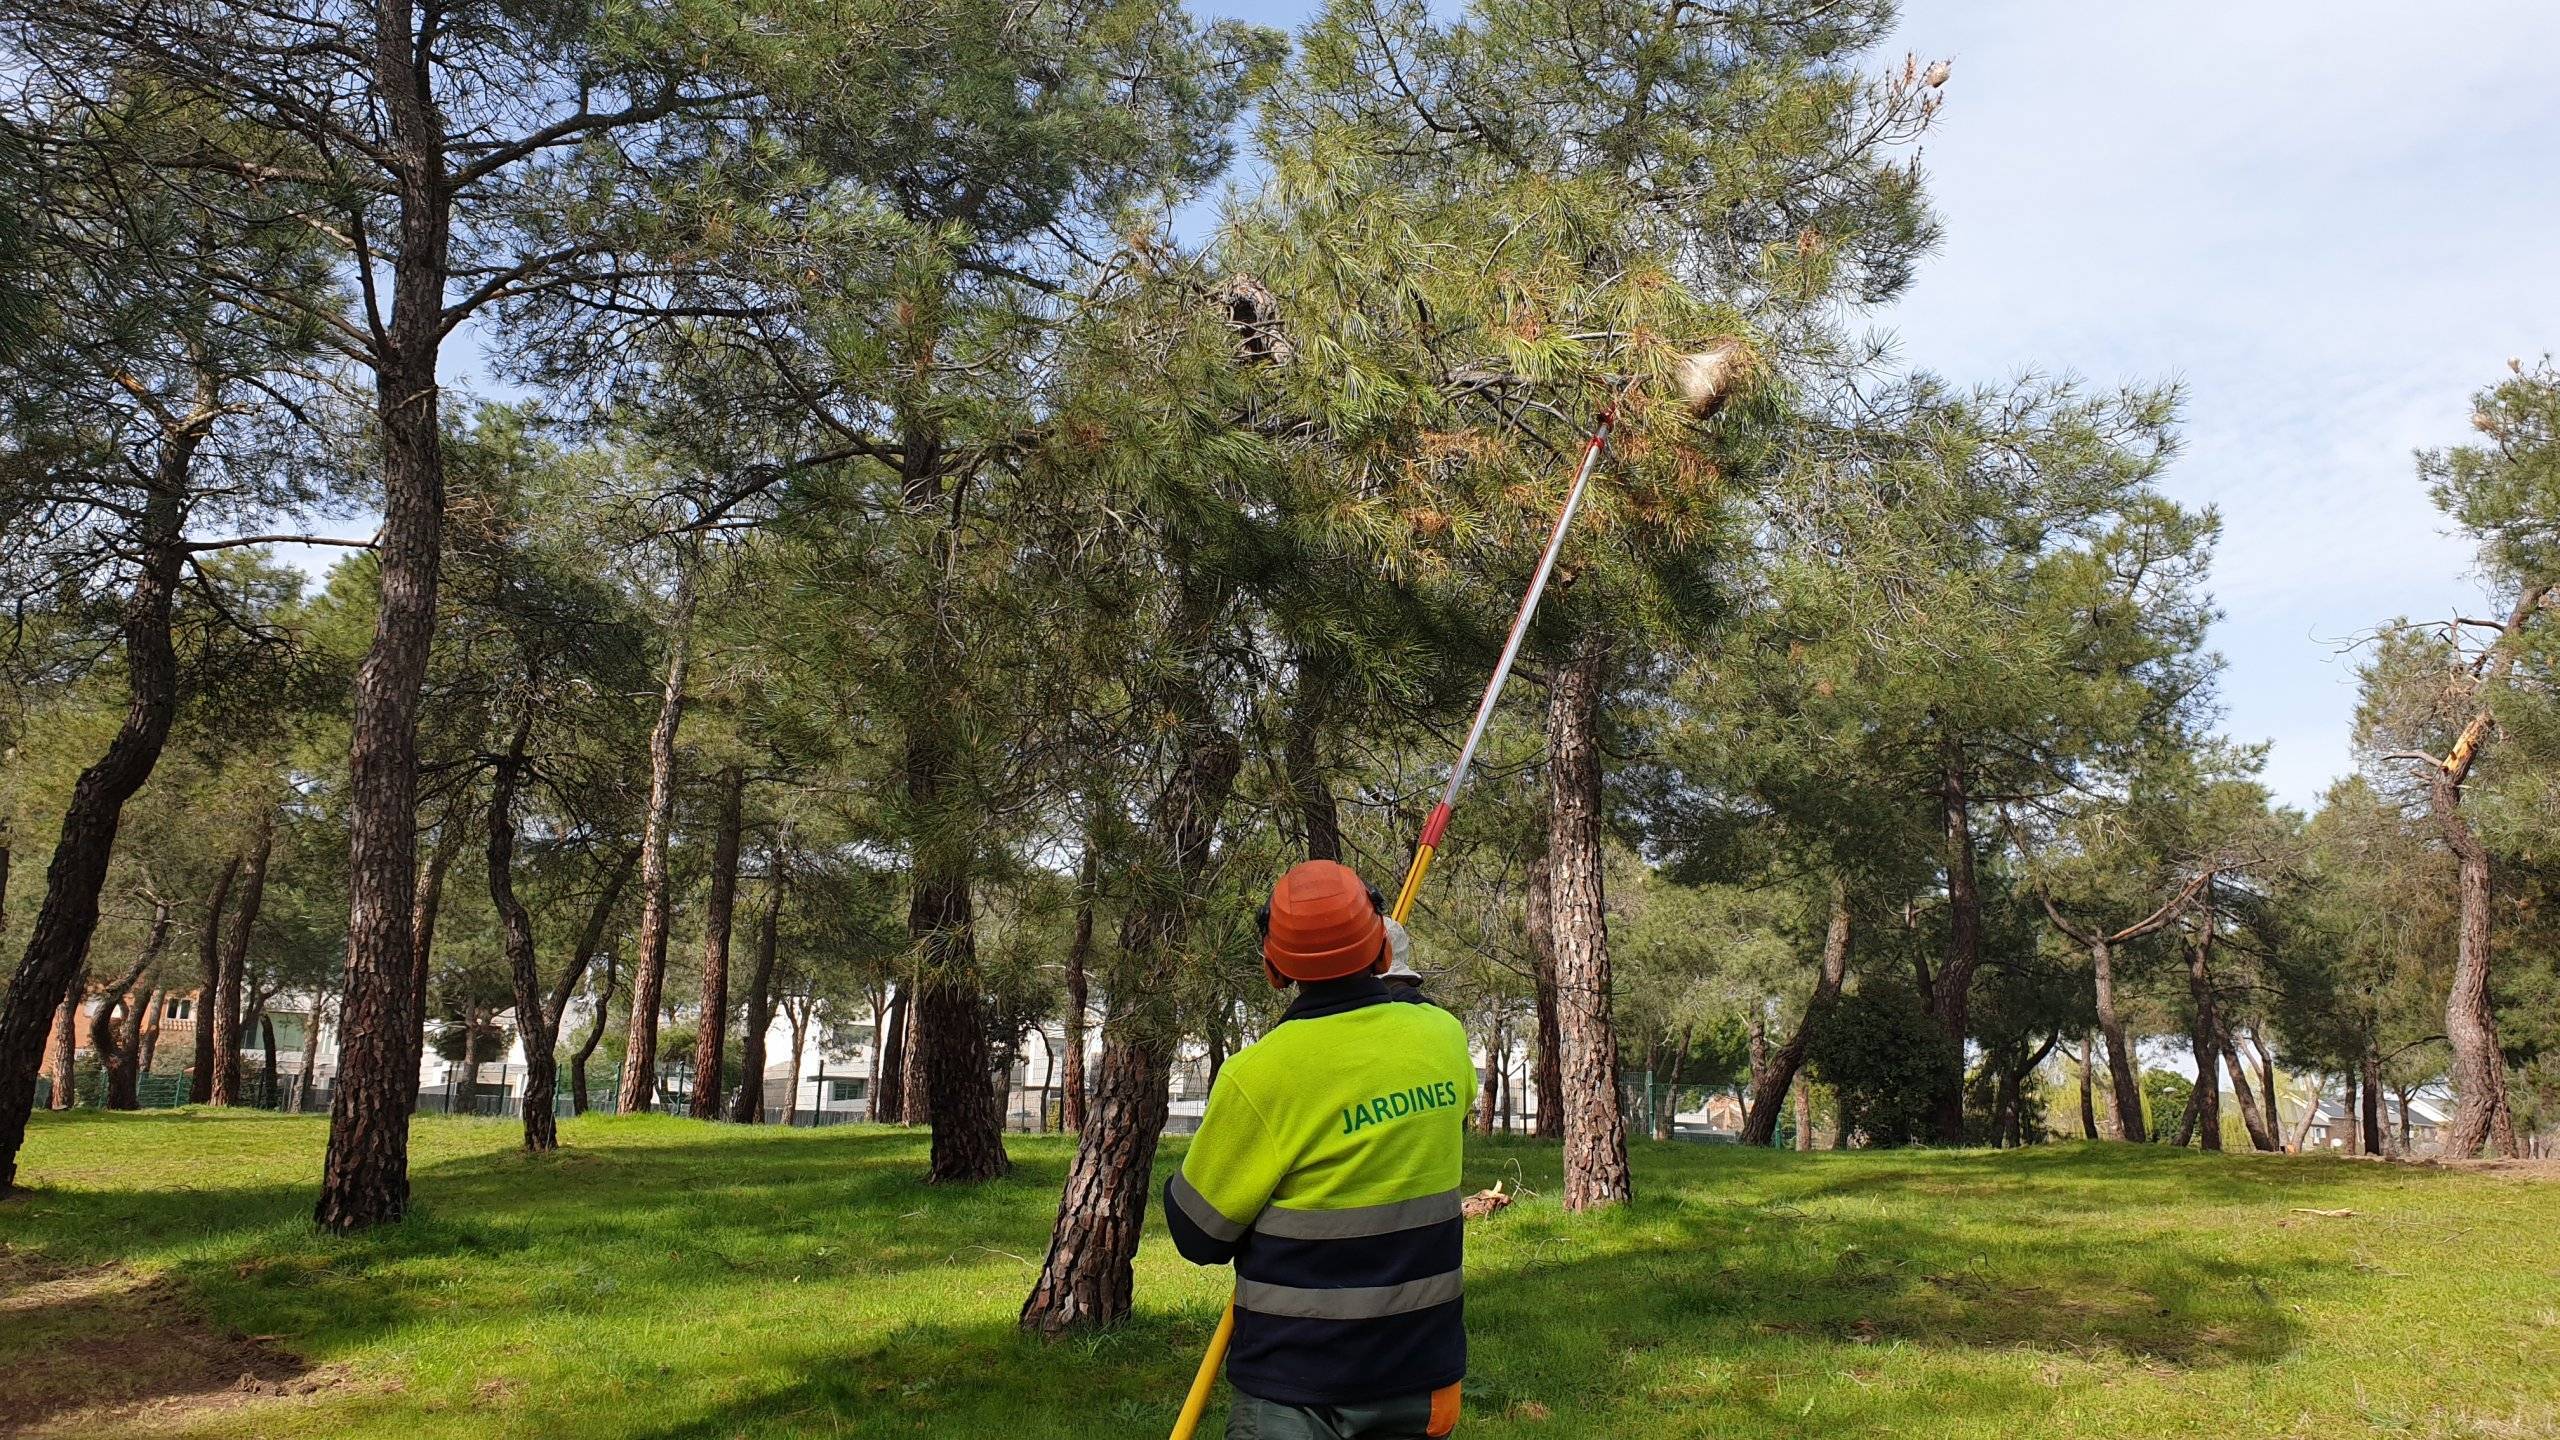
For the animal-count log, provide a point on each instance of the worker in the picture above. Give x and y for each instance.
(1327, 1170)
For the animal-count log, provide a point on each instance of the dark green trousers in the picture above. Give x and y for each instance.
(1407, 1417)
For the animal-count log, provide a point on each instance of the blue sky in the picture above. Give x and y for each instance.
(2331, 221)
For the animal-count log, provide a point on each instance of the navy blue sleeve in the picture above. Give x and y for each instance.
(1202, 1235)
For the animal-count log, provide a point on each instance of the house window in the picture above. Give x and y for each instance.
(846, 1090)
(180, 1008)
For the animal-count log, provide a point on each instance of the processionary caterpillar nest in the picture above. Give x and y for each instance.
(1707, 378)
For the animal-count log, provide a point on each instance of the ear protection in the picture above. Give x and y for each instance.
(1262, 931)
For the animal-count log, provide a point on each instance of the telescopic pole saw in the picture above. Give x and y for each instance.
(1433, 829)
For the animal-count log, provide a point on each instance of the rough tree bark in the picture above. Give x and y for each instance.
(952, 1027)
(1489, 1089)
(1086, 1278)
(1769, 1090)
(948, 1060)
(889, 1094)
(426, 901)
(515, 938)
(2127, 1086)
(1595, 1133)
(1079, 954)
(208, 980)
(61, 1050)
(227, 1017)
(747, 1107)
(1537, 922)
(649, 968)
(2261, 1126)
(365, 1178)
(2208, 1102)
(1804, 1115)
(915, 1095)
(711, 1032)
(58, 945)
(2480, 1113)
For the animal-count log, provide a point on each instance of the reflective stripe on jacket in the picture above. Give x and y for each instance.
(1327, 1169)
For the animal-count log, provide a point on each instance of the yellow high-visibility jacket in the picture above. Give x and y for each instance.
(1327, 1169)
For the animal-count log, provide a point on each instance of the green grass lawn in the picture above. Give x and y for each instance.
(661, 1278)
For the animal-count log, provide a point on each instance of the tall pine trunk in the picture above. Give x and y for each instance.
(1950, 996)
(2127, 1086)
(595, 1032)
(2370, 1064)
(1086, 1277)
(2088, 1098)
(1537, 922)
(426, 902)
(536, 1026)
(649, 968)
(748, 1106)
(209, 980)
(365, 1178)
(1769, 1089)
(227, 1017)
(1595, 1132)
(949, 1048)
(1079, 955)
(711, 1032)
(2260, 1125)
(58, 946)
(952, 1028)
(889, 1094)
(2480, 1114)
(2208, 1091)
(2267, 1080)
(63, 1046)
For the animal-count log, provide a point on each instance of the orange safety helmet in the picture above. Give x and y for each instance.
(1324, 922)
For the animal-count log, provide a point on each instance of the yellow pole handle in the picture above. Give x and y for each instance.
(1207, 1380)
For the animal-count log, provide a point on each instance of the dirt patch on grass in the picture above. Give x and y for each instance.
(103, 1350)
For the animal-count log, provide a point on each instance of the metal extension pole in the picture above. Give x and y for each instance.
(1434, 828)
